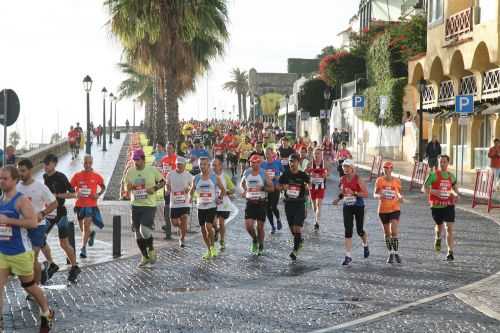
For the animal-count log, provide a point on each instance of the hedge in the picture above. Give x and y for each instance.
(394, 88)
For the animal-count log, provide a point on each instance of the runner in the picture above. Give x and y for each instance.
(244, 150)
(59, 185)
(196, 153)
(284, 152)
(303, 159)
(223, 209)
(44, 203)
(388, 192)
(219, 149)
(295, 185)
(328, 151)
(74, 145)
(342, 155)
(205, 184)
(167, 163)
(319, 173)
(143, 181)
(177, 190)
(255, 183)
(353, 190)
(85, 184)
(232, 156)
(258, 150)
(79, 138)
(273, 170)
(16, 256)
(441, 187)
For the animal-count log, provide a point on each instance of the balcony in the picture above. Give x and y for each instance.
(468, 85)
(491, 83)
(429, 97)
(446, 94)
(459, 24)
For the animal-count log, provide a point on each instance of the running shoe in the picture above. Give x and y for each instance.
(273, 230)
(398, 258)
(207, 255)
(279, 225)
(254, 248)
(450, 256)
(347, 261)
(44, 273)
(316, 227)
(222, 245)
(213, 251)
(152, 256)
(53, 268)
(83, 253)
(390, 260)
(260, 251)
(46, 322)
(181, 243)
(91, 238)
(293, 255)
(366, 251)
(144, 262)
(437, 244)
(73, 274)
(301, 245)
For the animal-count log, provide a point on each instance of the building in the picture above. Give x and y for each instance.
(378, 11)
(413, 7)
(462, 58)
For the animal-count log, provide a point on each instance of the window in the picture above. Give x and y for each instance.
(434, 11)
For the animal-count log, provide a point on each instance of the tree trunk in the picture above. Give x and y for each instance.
(240, 110)
(244, 99)
(172, 104)
(148, 121)
(160, 113)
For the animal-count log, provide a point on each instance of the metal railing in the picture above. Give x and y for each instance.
(459, 24)
(491, 83)
(429, 96)
(446, 93)
(468, 85)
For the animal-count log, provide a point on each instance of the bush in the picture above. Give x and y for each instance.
(394, 88)
(340, 67)
(311, 96)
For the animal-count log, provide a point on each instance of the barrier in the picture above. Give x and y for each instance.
(376, 167)
(418, 175)
(483, 189)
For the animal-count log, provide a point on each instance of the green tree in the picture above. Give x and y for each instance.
(54, 138)
(239, 86)
(14, 138)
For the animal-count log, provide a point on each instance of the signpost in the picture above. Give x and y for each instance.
(383, 104)
(358, 104)
(464, 106)
(9, 112)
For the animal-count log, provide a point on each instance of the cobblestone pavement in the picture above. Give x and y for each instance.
(237, 292)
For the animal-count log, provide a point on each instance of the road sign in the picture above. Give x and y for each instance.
(381, 115)
(323, 114)
(464, 104)
(304, 115)
(13, 107)
(358, 101)
(383, 102)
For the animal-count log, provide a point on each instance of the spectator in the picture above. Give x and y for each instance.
(494, 155)
(10, 158)
(432, 152)
(336, 139)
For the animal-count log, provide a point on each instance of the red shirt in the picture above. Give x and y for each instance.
(85, 184)
(232, 147)
(228, 139)
(494, 155)
(168, 164)
(72, 135)
(219, 149)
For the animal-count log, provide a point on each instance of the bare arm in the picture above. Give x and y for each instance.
(53, 205)
(28, 218)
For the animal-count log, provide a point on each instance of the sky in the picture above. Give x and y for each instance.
(49, 46)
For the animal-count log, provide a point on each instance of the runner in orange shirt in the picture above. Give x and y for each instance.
(388, 192)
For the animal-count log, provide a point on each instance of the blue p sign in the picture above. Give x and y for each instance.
(358, 101)
(464, 104)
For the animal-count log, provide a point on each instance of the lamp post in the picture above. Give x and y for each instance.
(104, 92)
(421, 88)
(111, 97)
(87, 86)
(326, 94)
(287, 99)
(133, 114)
(116, 102)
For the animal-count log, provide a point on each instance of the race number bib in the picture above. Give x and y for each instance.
(317, 181)
(218, 152)
(284, 162)
(5, 232)
(293, 191)
(270, 173)
(85, 192)
(444, 194)
(179, 198)
(389, 194)
(349, 200)
(140, 194)
(254, 193)
(205, 198)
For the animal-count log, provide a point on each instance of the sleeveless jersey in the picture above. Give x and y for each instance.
(255, 186)
(318, 175)
(13, 239)
(444, 187)
(206, 190)
(353, 185)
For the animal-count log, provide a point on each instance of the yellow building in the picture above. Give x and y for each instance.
(462, 58)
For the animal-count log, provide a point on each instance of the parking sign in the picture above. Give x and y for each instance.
(358, 101)
(464, 104)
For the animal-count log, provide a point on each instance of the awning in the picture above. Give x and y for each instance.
(491, 109)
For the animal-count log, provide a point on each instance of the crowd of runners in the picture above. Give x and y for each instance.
(263, 165)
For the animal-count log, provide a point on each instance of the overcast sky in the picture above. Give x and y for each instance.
(49, 46)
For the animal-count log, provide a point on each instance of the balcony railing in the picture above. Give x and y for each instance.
(429, 96)
(468, 85)
(446, 93)
(459, 24)
(491, 83)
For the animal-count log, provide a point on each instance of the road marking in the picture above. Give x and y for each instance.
(476, 304)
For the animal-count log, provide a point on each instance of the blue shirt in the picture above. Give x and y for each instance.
(199, 153)
(275, 166)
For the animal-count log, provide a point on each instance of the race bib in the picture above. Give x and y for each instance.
(5, 232)
(140, 194)
(270, 173)
(85, 192)
(293, 191)
(444, 194)
(166, 169)
(205, 198)
(254, 194)
(349, 200)
(317, 181)
(218, 152)
(179, 198)
(284, 161)
(389, 194)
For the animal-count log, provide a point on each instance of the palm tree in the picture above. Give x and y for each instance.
(239, 85)
(174, 41)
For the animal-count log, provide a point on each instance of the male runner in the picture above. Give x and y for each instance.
(388, 192)
(318, 172)
(284, 152)
(59, 185)
(205, 185)
(232, 156)
(273, 169)
(255, 184)
(85, 184)
(218, 149)
(295, 184)
(342, 155)
(244, 149)
(223, 209)
(441, 187)
(44, 203)
(168, 163)
(73, 144)
(196, 153)
(16, 256)
(143, 181)
(177, 190)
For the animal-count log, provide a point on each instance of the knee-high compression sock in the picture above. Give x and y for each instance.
(395, 244)
(296, 241)
(149, 243)
(388, 243)
(141, 243)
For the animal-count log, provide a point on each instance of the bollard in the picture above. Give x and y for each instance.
(117, 233)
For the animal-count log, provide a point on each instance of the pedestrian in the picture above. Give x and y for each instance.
(295, 185)
(494, 155)
(432, 152)
(441, 187)
(167, 164)
(143, 181)
(342, 155)
(388, 192)
(344, 135)
(352, 193)
(284, 152)
(336, 139)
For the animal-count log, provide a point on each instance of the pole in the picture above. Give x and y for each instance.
(117, 229)
(133, 117)
(421, 129)
(207, 95)
(462, 162)
(286, 117)
(380, 137)
(110, 120)
(456, 149)
(356, 111)
(87, 148)
(5, 104)
(115, 116)
(104, 124)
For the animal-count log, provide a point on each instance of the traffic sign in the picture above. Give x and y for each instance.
(358, 101)
(323, 114)
(464, 104)
(381, 115)
(13, 107)
(304, 115)
(383, 102)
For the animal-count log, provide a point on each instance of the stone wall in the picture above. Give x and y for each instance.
(36, 156)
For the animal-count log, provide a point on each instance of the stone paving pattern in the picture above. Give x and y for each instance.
(237, 292)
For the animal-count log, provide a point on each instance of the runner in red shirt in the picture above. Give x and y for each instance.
(218, 149)
(232, 156)
(86, 183)
(318, 172)
(72, 139)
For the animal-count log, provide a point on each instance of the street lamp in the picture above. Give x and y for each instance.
(104, 93)
(421, 88)
(287, 99)
(111, 98)
(116, 102)
(133, 117)
(87, 86)
(326, 94)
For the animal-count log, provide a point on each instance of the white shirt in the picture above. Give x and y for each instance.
(39, 195)
(179, 182)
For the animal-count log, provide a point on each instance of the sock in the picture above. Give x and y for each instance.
(348, 254)
(296, 241)
(388, 243)
(261, 245)
(149, 243)
(365, 244)
(141, 243)
(395, 244)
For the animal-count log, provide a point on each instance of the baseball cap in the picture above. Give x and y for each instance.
(348, 163)
(180, 160)
(388, 164)
(138, 155)
(255, 158)
(50, 158)
(294, 157)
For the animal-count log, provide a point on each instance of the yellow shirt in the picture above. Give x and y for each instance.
(245, 149)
